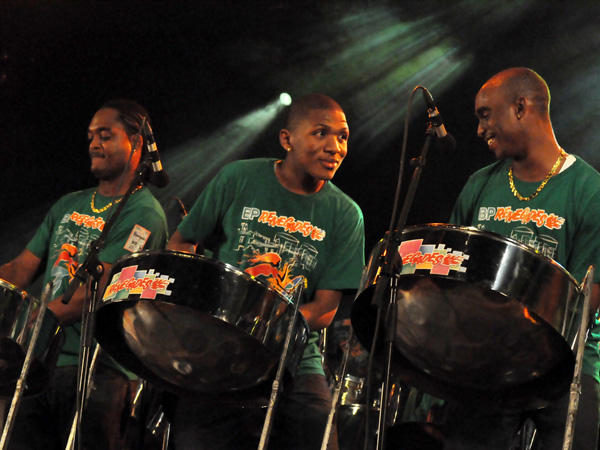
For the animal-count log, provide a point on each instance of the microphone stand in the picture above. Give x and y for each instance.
(392, 266)
(91, 270)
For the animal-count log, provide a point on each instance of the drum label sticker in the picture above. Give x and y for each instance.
(145, 283)
(437, 259)
(137, 239)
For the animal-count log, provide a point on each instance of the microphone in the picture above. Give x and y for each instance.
(160, 177)
(445, 140)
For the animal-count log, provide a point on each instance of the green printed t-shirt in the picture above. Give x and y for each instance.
(562, 222)
(277, 236)
(70, 226)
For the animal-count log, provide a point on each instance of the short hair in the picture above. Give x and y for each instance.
(301, 107)
(523, 82)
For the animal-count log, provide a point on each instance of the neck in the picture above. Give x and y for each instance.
(539, 160)
(299, 183)
(108, 188)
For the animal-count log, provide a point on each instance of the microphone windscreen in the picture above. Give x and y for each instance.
(159, 179)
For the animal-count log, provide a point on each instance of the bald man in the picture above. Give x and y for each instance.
(535, 174)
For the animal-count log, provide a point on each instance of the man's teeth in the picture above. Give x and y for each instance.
(490, 141)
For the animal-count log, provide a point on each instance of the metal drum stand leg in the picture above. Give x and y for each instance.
(276, 388)
(575, 391)
(336, 395)
(24, 371)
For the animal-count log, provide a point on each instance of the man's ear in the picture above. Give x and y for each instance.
(137, 142)
(285, 139)
(520, 107)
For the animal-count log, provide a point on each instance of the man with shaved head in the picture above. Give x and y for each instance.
(281, 221)
(534, 177)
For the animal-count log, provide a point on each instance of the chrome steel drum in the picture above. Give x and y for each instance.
(18, 311)
(480, 317)
(193, 324)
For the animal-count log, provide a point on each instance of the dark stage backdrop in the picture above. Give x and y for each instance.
(210, 72)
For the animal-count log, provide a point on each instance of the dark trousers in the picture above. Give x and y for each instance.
(469, 428)
(44, 421)
(299, 421)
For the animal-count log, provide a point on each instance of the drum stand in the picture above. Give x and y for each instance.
(276, 387)
(337, 394)
(575, 391)
(25, 370)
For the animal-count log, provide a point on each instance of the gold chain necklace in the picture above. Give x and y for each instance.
(100, 210)
(511, 181)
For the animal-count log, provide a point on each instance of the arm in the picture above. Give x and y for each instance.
(319, 313)
(21, 270)
(595, 298)
(72, 312)
(179, 243)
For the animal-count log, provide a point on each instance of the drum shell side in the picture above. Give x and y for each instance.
(18, 311)
(510, 281)
(223, 328)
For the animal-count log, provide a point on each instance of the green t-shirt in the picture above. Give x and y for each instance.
(63, 241)
(562, 222)
(257, 225)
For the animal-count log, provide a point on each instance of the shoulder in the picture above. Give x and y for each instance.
(73, 198)
(342, 200)
(146, 201)
(584, 178)
(249, 165)
(494, 168)
(584, 169)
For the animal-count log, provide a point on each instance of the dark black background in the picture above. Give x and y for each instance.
(200, 66)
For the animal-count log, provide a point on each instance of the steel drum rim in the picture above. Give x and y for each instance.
(496, 237)
(17, 289)
(195, 256)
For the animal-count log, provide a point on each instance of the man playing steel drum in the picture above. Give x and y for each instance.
(281, 220)
(60, 244)
(540, 195)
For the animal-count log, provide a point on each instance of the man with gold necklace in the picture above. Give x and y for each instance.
(60, 244)
(541, 196)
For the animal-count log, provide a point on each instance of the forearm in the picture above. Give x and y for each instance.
(21, 270)
(10, 273)
(178, 243)
(72, 312)
(595, 298)
(320, 312)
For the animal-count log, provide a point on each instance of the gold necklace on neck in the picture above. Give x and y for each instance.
(101, 210)
(511, 181)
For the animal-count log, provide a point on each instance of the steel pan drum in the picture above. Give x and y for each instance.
(18, 311)
(193, 324)
(480, 318)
